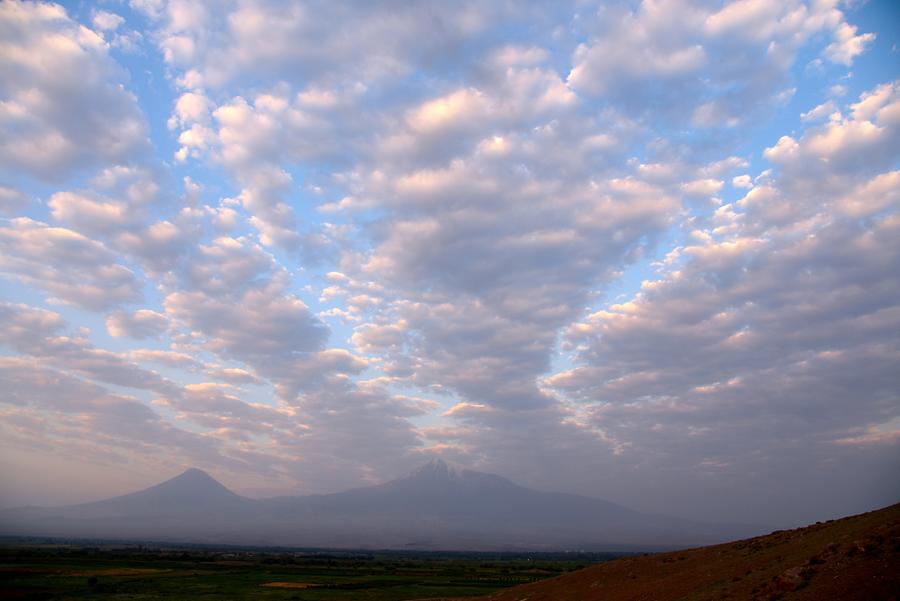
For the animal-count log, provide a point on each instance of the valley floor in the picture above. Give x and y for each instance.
(82, 572)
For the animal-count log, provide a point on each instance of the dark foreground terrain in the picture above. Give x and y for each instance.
(851, 559)
(50, 570)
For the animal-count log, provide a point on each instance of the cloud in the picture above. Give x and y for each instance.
(250, 139)
(638, 46)
(216, 406)
(65, 412)
(351, 434)
(353, 245)
(261, 324)
(160, 247)
(769, 322)
(91, 210)
(36, 332)
(67, 265)
(823, 110)
(847, 45)
(143, 323)
(234, 302)
(742, 181)
(119, 208)
(702, 187)
(831, 159)
(871, 197)
(229, 265)
(106, 21)
(635, 59)
(225, 42)
(168, 358)
(58, 392)
(487, 268)
(233, 375)
(190, 108)
(63, 106)
(126, 194)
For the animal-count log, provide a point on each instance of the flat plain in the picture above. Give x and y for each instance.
(50, 570)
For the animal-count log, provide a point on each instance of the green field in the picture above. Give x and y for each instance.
(74, 571)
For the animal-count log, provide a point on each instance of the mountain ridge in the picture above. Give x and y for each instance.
(438, 506)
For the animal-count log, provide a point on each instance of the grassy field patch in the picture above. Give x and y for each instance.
(289, 585)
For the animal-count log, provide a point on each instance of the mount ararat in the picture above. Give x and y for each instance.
(438, 506)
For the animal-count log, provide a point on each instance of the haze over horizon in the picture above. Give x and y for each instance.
(437, 506)
(647, 252)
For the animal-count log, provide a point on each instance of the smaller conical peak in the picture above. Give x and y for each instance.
(195, 472)
(195, 479)
(192, 482)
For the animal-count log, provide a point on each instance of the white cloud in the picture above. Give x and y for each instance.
(470, 210)
(286, 42)
(143, 323)
(106, 21)
(823, 110)
(258, 325)
(86, 421)
(191, 108)
(233, 375)
(38, 333)
(168, 358)
(92, 211)
(67, 265)
(847, 45)
(639, 45)
(63, 105)
(763, 329)
(702, 187)
(742, 181)
(873, 196)
(863, 142)
(636, 59)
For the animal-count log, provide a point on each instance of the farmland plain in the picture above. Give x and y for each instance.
(52, 569)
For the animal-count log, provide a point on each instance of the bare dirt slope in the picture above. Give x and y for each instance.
(855, 558)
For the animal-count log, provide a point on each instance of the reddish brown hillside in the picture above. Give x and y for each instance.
(855, 558)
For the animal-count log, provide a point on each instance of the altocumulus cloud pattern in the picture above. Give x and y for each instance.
(648, 251)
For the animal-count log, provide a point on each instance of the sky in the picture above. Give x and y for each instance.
(643, 251)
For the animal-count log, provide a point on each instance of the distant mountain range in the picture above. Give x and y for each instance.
(438, 506)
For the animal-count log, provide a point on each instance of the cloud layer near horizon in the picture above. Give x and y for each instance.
(309, 246)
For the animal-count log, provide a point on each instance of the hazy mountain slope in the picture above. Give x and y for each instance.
(855, 558)
(191, 506)
(193, 490)
(436, 507)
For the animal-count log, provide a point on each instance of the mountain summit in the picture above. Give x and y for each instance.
(192, 485)
(439, 469)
